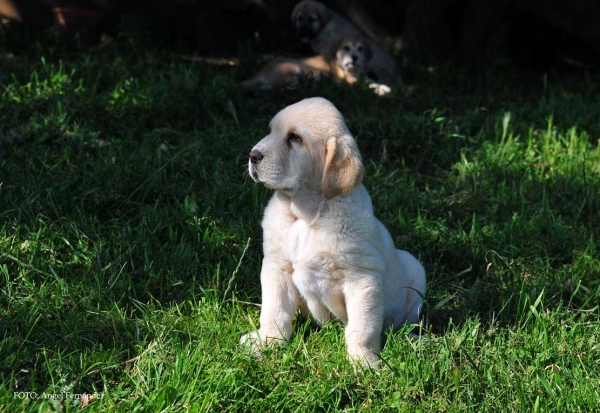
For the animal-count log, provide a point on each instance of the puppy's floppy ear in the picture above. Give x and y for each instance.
(343, 166)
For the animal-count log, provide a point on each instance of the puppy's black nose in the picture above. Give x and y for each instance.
(354, 57)
(256, 156)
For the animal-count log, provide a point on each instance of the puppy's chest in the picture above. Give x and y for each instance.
(313, 259)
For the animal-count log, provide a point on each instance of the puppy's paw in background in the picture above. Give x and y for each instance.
(380, 89)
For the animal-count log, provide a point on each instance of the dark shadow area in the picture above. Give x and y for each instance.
(533, 35)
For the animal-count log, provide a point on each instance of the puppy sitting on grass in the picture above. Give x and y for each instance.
(325, 253)
(345, 62)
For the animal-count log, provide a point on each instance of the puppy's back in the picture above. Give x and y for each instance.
(281, 71)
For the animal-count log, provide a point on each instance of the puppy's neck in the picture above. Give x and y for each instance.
(306, 204)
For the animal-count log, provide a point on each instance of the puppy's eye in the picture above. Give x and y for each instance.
(360, 48)
(346, 48)
(294, 137)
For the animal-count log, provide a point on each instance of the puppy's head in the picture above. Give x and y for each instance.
(309, 17)
(352, 54)
(309, 147)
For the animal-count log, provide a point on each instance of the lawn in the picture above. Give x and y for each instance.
(130, 240)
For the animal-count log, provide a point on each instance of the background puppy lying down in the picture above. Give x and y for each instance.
(345, 62)
(320, 26)
(325, 253)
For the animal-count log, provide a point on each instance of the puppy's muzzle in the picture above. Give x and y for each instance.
(304, 31)
(256, 156)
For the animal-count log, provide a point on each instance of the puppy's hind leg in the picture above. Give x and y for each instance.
(317, 313)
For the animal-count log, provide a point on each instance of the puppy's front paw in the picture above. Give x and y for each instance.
(252, 342)
(248, 339)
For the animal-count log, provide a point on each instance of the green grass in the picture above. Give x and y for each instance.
(130, 244)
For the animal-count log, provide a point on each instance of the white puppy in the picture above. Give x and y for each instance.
(324, 250)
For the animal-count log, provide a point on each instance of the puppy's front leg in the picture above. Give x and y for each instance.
(364, 305)
(280, 301)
